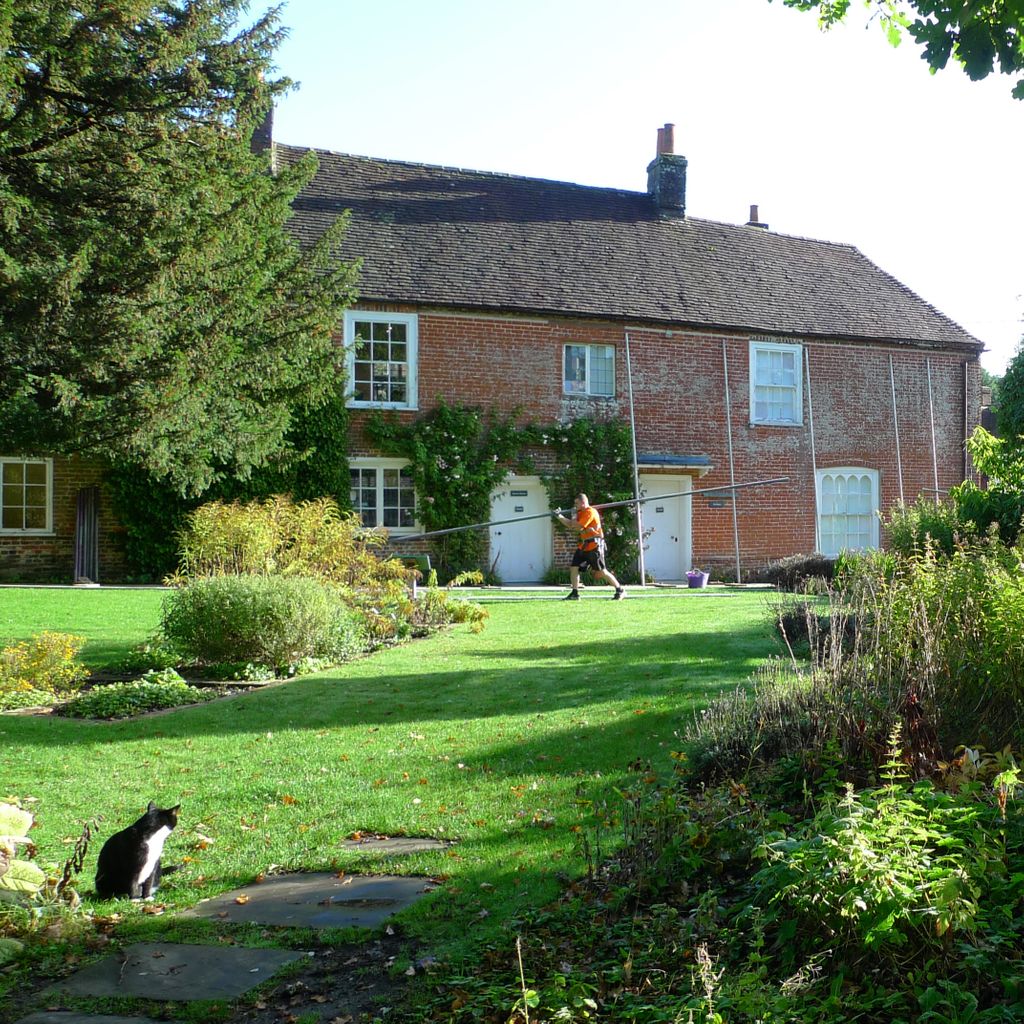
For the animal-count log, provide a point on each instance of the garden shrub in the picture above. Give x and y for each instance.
(793, 572)
(910, 527)
(154, 692)
(277, 536)
(270, 620)
(47, 664)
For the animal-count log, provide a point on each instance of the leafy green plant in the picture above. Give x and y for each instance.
(910, 528)
(122, 700)
(19, 877)
(883, 871)
(153, 512)
(269, 620)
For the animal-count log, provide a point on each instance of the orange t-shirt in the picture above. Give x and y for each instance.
(589, 523)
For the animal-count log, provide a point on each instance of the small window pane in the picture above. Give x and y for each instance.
(14, 473)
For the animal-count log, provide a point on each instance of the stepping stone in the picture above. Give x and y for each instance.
(77, 1017)
(395, 845)
(316, 900)
(169, 971)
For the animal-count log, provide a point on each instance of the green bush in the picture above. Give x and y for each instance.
(122, 700)
(911, 526)
(270, 620)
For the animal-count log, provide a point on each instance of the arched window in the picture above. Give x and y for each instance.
(847, 509)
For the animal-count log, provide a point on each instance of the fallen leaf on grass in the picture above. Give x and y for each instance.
(154, 908)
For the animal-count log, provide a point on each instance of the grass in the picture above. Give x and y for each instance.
(113, 621)
(489, 739)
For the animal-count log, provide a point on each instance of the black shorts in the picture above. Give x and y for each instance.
(589, 559)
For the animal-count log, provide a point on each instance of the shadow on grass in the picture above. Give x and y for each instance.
(582, 675)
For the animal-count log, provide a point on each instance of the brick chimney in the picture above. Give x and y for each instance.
(262, 140)
(754, 222)
(666, 176)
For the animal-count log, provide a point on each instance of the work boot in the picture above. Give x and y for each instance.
(619, 594)
(573, 595)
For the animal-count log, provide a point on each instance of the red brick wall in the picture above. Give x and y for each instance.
(679, 396)
(50, 558)
(678, 377)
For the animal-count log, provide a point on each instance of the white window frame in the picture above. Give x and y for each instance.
(411, 323)
(873, 513)
(27, 531)
(361, 462)
(766, 345)
(587, 390)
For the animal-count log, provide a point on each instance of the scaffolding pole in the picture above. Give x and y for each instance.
(636, 472)
(608, 504)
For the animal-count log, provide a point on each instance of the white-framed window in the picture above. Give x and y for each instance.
(382, 493)
(776, 383)
(26, 495)
(589, 370)
(847, 509)
(381, 354)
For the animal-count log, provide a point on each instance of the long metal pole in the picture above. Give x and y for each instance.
(896, 428)
(636, 471)
(814, 457)
(732, 466)
(607, 504)
(931, 416)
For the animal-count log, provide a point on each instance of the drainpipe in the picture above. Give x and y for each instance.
(732, 464)
(636, 471)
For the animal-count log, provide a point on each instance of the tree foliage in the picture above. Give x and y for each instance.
(1009, 404)
(983, 36)
(156, 310)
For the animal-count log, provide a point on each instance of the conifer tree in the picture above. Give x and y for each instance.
(153, 307)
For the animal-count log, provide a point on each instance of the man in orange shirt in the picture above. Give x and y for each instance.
(590, 550)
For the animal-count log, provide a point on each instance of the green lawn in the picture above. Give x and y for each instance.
(113, 621)
(488, 739)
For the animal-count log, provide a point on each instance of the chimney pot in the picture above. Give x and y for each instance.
(754, 222)
(666, 176)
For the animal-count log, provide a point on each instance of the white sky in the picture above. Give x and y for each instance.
(836, 136)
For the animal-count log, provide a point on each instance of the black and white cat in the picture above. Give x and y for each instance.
(129, 863)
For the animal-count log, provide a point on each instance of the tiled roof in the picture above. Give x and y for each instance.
(469, 239)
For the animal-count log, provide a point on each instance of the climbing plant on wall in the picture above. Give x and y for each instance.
(457, 456)
(598, 460)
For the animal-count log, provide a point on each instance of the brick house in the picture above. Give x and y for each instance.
(752, 354)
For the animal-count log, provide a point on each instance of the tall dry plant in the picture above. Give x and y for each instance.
(930, 644)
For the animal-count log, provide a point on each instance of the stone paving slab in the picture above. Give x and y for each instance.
(170, 971)
(395, 846)
(77, 1017)
(316, 900)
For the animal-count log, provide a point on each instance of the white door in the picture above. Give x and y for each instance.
(666, 526)
(520, 552)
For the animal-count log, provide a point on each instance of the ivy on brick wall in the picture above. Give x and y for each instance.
(598, 460)
(152, 512)
(458, 455)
